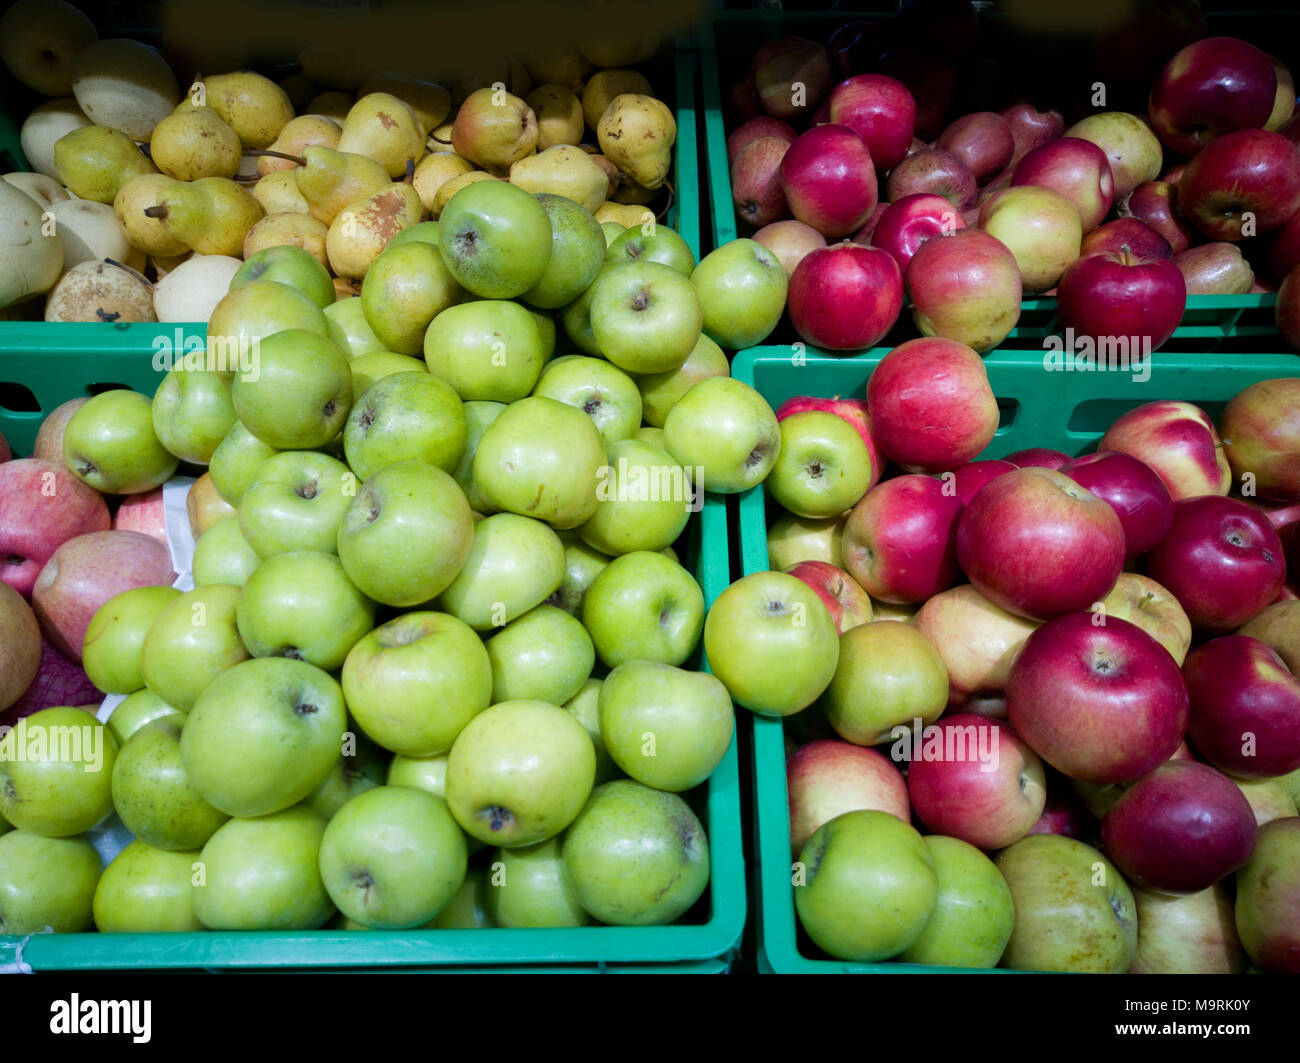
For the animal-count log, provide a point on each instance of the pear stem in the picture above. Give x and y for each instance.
(667, 206)
(439, 140)
(409, 179)
(158, 210)
(130, 269)
(297, 160)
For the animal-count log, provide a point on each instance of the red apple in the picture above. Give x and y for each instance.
(908, 223)
(1100, 703)
(1260, 428)
(931, 79)
(1134, 491)
(20, 646)
(865, 235)
(846, 601)
(1131, 148)
(1040, 227)
(791, 75)
(1284, 248)
(1078, 170)
(1180, 829)
(1039, 545)
(969, 478)
(1245, 708)
(1130, 302)
(1142, 601)
(1215, 269)
(1063, 813)
(49, 437)
(1287, 311)
(1242, 184)
(1031, 127)
(933, 382)
(846, 296)
(5, 451)
(852, 410)
(829, 777)
(1155, 204)
(756, 182)
(829, 180)
(743, 102)
(881, 111)
(965, 287)
(58, 682)
(790, 241)
(854, 47)
(982, 140)
(42, 506)
(1136, 235)
(756, 128)
(1038, 458)
(1178, 440)
(933, 172)
(145, 513)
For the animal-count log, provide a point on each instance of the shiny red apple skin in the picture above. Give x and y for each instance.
(42, 506)
(982, 140)
(1039, 545)
(1221, 559)
(911, 221)
(1031, 127)
(854, 411)
(1122, 295)
(933, 172)
(781, 63)
(1038, 458)
(1078, 170)
(1155, 204)
(828, 777)
(845, 297)
(965, 287)
(931, 381)
(1100, 703)
(1210, 88)
(1250, 175)
(1260, 427)
(1245, 708)
(756, 188)
(1136, 235)
(969, 478)
(846, 601)
(763, 126)
(829, 180)
(1133, 489)
(1179, 441)
(1180, 829)
(1217, 268)
(881, 110)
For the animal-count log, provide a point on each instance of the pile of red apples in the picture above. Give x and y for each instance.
(836, 167)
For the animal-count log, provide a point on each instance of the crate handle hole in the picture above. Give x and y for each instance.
(15, 398)
(1008, 411)
(99, 389)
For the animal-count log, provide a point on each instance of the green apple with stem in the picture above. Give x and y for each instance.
(666, 727)
(582, 564)
(487, 349)
(300, 393)
(289, 265)
(192, 412)
(866, 885)
(742, 287)
(392, 857)
(263, 735)
(193, 640)
(644, 500)
(514, 564)
(235, 462)
(468, 909)
(413, 683)
(644, 606)
(478, 415)
(223, 555)
(56, 772)
(407, 534)
(154, 796)
(263, 874)
(660, 392)
(772, 642)
(46, 882)
(645, 317)
(652, 243)
(576, 317)
(599, 389)
(110, 654)
(544, 655)
(296, 501)
(347, 326)
(973, 916)
(530, 887)
(887, 674)
(147, 891)
(250, 313)
(726, 428)
(577, 253)
(405, 288)
(519, 773)
(360, 767)
(110, 443)
(135, 711)
(823, 467)
(584, 707)
(636, 856)
(404, 417)
(495, 239)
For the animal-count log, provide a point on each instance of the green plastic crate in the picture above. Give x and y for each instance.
(1067, 412)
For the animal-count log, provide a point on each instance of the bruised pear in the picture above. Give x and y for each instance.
(363, 228)
(294, 230)
(563, 171)
(636, 134)
(100, 291)
(300, 133)
(329, 180)
(382, 127)
(211, 215)
(430, 102)
(194, 142)
(494, 130)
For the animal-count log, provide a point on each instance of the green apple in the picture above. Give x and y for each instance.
(645, 317)
(289, 265)
(772, 642)
(602, 391)
(636, 856)
(530, 887)
(406, 287)
(584, 707)
(742, 287)
(263, 874)
(478, 415)
(887, 674)
(263, 735)
(223, 555)
(541, 458)
(192, 412)
(154, 796)
(726, 428)
(660, 392)
(250, 313)
(360, 767)
(576, 317)
(392, 857)
(612, 230)
(1268, 897)
(193, 640)
(656, 243)
(546, 328)
(348, 328)
(519, 773)
(147, 891)
(643, 606)
(299, 395)
(110, 443)
(654, 436)
(514, 564)
(792, 539)
(413, 683)
(110, 654)
(495, 238)
(296, 501)
(236, 461)
(544, 655)
(405, 417)
(666, 727)
(468, 909)
(582, 564)
(46, 882)
(56, 770)
(423, 232)
(823, 467)
(644, 500)
(1074, 911)
(424, 773)
(865, 886)
(369, 369)
(406, 535)
(302, 605)
(135, 711)
(577, 253)
(488, 350)
(973, 916)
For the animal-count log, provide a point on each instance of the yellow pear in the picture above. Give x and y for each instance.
(625, 50)
(329, 180)
(449, 188)
(494, 130)
(363, 228)
(296, 230)
(629, 191)
(440, 137)
(636, 134)
(94, 162)
(279, 193)
(256, 108)
(565, 171)
(124, 85)
(332, 104)
(567, 67)
(211, 215)
(431, 103)
(194, 142)
(604, 86)
(624, 214)
(301, 132)
(146, 232)
(383, 128)
(434, 171)
(559, 116)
